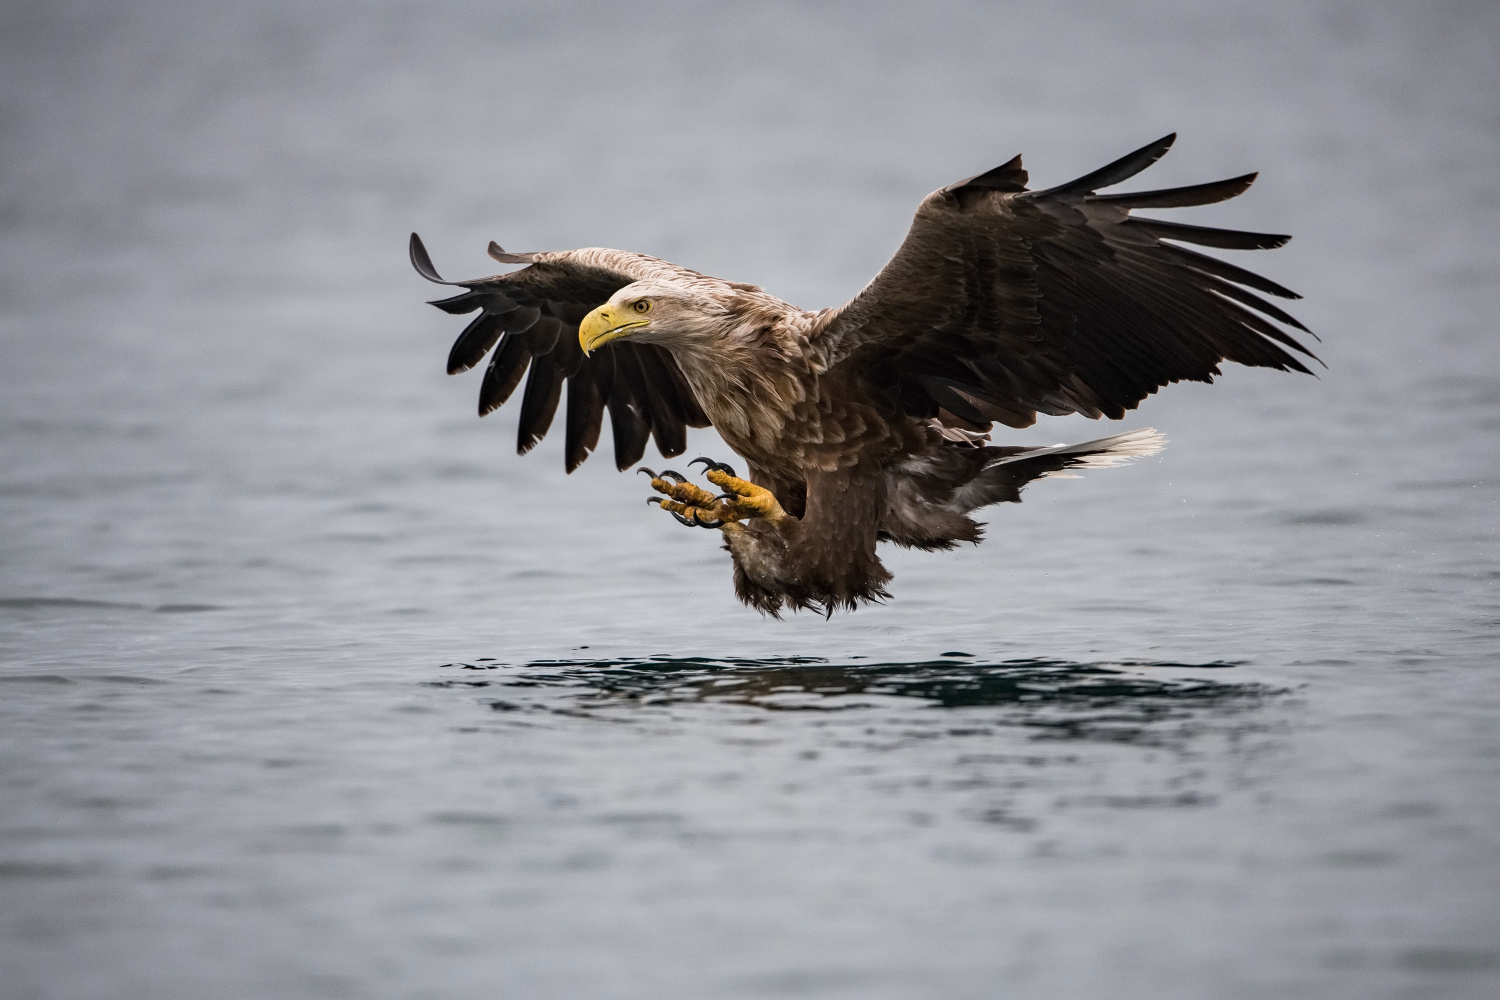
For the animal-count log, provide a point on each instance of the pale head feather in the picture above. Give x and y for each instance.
(682, 317)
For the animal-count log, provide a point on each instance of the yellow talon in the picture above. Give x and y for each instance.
(684, 493)
(750, 500)
(693, 505)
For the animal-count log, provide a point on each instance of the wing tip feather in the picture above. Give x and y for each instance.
(422, 261)
(1009, 177)
(1113, 172)
(499, 253)
(1188, 196)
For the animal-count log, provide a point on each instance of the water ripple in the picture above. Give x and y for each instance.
(1117, 701)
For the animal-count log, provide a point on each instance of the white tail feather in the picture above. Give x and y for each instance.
(1104, 453)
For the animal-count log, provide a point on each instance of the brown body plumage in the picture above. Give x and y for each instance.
(870, 422)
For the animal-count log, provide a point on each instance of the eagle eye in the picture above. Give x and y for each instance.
(641, 306)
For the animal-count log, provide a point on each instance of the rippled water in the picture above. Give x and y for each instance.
(310, 687)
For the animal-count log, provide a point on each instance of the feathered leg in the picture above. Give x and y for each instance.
(824, 560)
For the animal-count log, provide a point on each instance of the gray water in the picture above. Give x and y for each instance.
(310, 687)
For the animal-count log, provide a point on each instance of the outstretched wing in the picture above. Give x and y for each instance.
(530, 317)
(1004, 302)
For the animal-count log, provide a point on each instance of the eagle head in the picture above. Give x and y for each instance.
(655, 312)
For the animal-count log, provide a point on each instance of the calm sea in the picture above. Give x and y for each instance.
(311, 687)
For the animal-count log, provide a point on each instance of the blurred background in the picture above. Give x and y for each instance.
(246, 521)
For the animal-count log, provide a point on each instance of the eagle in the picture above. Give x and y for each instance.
(871, 422)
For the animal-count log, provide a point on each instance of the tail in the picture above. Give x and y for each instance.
(1010, 470)
(1104, 453)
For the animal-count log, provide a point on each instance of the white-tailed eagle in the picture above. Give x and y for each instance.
(870, 422)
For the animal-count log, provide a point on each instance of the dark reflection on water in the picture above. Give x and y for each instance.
(1119, 701)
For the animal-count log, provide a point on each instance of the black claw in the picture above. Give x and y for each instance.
(652, 500)
(681, 518)
(709, 463)
(726, 496)
(710, 524)
(646, 471)
(666, 473)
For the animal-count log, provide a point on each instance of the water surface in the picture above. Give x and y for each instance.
(309, 686)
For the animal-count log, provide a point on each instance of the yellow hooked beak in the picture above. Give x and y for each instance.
(603, 325)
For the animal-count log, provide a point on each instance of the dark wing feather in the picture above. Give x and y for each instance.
(668, 421)
(1183, 197)
(475, 342)
(538, 402)
(1003, 303)
(1110, 174)
(1225, 239)
(585, 414)
(630, 430)
(533, 315)
(503, 375)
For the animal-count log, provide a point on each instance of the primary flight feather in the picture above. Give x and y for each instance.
(870, 422)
